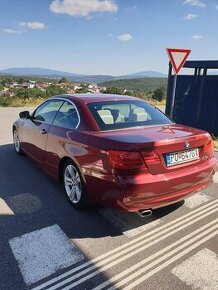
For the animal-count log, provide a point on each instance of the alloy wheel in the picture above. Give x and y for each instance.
(72, 183)
(16, 142)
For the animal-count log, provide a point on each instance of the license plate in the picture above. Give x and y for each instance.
(182, 157)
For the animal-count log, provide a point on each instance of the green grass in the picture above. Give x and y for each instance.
(32, 102)
(215, 142)
(20, 102)
(157, 103)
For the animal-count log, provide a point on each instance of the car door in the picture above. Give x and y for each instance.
(35, 131)
(64, 139)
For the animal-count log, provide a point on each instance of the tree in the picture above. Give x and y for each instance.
(21, 80)
(54, 90)
(28, 93)
(35, 93)
(63, 80)
(113, 90)
(21, 93)
(6, 80)
(159, 94)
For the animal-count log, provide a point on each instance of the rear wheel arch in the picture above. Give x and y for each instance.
(62, 163)
(14, 128)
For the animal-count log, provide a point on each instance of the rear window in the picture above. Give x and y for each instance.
(111, 115)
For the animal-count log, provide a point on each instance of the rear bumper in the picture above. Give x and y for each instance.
(162, 199)
(144, 190)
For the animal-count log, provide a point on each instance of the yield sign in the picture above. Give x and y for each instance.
(178, 58)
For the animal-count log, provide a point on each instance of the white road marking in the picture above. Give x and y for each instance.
(129, 223)
(172, 253)
(130, 249)
(133, 232)
(200, 271)
(196, 200)
(4, 208)
(43, 252)
(173, 259)
(215, 177)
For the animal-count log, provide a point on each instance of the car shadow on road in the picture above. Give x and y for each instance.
(31, 200)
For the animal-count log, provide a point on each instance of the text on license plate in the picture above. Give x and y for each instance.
(182, 156)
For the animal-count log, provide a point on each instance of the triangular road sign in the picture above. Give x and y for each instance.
(178, 58)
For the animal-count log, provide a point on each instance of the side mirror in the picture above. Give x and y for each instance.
(24, 115)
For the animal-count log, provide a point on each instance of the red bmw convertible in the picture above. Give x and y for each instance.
(116, 150)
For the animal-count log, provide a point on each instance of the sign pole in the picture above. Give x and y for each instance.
(173, 95)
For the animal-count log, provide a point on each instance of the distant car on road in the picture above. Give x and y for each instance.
(115, 150)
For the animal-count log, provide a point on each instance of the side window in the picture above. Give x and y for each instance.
(67, 116)
(47, 111)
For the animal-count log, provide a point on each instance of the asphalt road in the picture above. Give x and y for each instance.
(46, 244)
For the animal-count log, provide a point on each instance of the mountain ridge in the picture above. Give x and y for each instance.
(43, 72)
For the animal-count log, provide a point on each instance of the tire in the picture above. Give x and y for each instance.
(74, 186)
(16, 140)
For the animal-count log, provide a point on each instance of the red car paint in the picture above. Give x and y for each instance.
(147, 184)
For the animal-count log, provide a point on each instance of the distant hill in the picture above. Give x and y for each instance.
(140, 84)
(35, 71)
(42, 72)
(143, 74)
(48, 73)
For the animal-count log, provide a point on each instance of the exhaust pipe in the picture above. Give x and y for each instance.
(145, 213)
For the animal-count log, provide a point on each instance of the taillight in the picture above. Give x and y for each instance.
(125, 159)
(150, 157)
(208, 150)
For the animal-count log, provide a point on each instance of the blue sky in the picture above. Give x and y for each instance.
(105, 36)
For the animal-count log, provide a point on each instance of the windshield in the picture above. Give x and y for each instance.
(111, 115)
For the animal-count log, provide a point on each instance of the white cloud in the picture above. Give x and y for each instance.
(131, 8)
(216, 7)
(197, 3)
(125, 37)
(82, 7)
(197, 36)
(33, 25)
(190, 16)
(13, 31)
(26, 26)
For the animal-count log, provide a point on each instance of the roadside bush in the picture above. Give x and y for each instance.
(54, 90)
(159, 94)
(113, 90)
(28, 93)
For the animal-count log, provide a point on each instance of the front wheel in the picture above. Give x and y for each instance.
(16, 140)
(74, 186)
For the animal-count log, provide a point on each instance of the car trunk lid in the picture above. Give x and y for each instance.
(155, 144)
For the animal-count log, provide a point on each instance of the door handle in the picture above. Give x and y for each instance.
(43, 131)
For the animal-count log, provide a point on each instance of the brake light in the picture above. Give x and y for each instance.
(125, 159)
(150, 157)
(208, 150)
